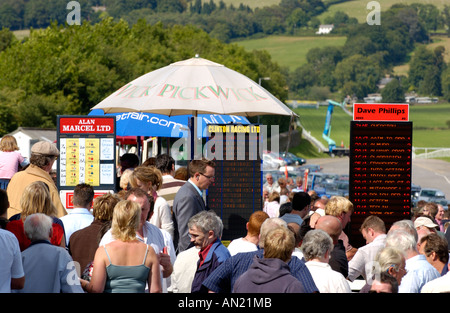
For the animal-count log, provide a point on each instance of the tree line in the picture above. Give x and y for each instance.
(370, 53)
(68, 69)
(222, 21)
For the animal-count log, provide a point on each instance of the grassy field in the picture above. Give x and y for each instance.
(358, 8)
(430, 128)
(290, 51)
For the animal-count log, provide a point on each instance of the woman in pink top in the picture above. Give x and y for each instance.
(10, 160)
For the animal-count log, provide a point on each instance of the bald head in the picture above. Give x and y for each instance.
(331, 225)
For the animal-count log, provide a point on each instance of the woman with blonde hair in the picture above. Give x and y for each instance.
(149, 179)
(36, 199)
(126, 264)
(10, 160)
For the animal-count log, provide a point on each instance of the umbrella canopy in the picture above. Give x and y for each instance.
(192, 87)
(157, 125)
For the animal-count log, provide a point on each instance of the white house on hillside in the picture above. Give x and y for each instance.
(325, 29)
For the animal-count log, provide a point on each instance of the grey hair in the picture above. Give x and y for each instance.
(406, 225)
(38, 226)
(268, 225)
(206, 221)
(402, 240)
(316, 244)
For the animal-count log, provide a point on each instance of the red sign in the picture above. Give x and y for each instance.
(86, 125)
(69, 198)
(380, 112)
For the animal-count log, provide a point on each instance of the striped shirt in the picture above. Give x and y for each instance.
(169, 188)
(223, 278)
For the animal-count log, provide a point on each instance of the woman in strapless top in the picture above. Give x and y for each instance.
(125, 265)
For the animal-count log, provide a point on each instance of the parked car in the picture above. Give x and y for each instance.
(269, 156)
(292, 159)
(431, 195)
(311, 168)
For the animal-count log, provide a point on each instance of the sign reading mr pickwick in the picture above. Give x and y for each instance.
(380, 164)
(87, 154)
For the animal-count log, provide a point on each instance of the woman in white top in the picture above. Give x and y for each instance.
(316, 247)
(149, 179)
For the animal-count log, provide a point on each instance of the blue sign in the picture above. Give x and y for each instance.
(157, 125)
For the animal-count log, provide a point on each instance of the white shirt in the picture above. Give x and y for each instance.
(76, 219)
(327, 280)
(10, 260)
(241, 245)
(162, 216)
(272, 208)
(184, 270)
(362, 261)
(438, 285)
(419, 272)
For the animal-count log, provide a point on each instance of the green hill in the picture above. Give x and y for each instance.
(290, 51)
(358, 8)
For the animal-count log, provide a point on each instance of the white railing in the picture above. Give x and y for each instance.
(430, 153)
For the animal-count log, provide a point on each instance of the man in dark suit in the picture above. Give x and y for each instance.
(189, 200)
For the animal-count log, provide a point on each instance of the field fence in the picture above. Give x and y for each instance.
(430, 153)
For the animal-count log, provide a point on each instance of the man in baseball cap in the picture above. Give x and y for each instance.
(43, 156)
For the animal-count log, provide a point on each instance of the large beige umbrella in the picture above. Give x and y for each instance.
(194, 86)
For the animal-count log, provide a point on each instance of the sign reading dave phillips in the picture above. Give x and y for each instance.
(380, 172)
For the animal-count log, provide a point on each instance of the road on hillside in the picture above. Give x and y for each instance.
(427, 173)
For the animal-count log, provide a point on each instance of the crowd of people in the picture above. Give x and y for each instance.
(156, 234)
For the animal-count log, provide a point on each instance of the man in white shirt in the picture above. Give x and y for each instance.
(270, 185)
(80, 216)
(12, 275)
(373, 230)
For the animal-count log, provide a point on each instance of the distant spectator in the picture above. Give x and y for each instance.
(10, 160)
(272, 207)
